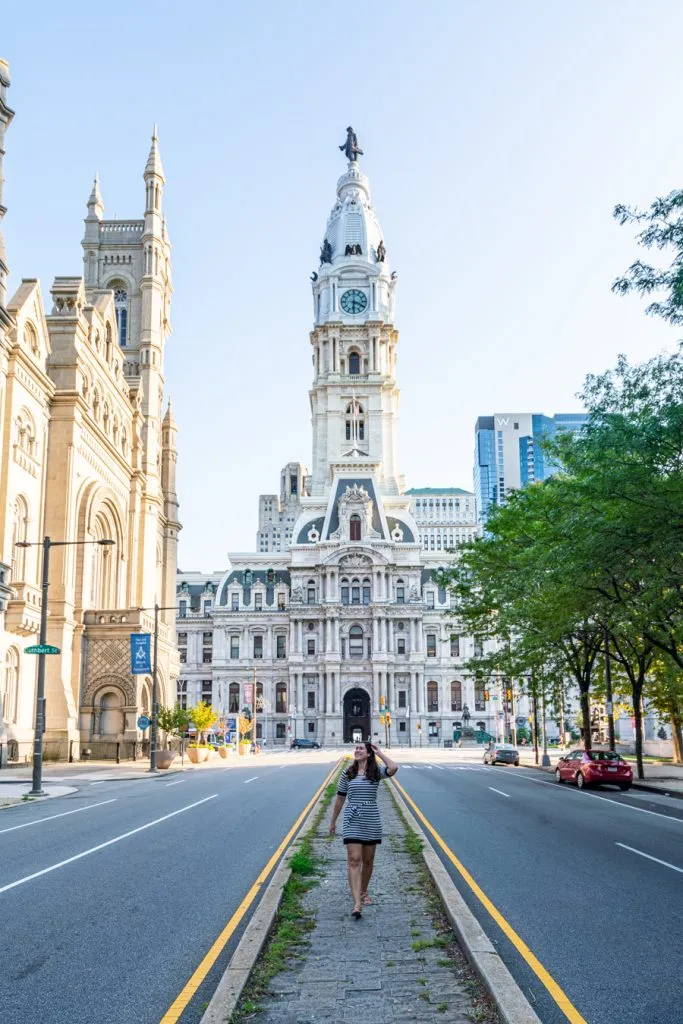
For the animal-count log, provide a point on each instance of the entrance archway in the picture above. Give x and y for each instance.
(356, 715)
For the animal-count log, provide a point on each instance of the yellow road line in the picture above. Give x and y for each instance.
(180, 1004)
(546, 979)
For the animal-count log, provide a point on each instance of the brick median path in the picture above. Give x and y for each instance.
(367, 969)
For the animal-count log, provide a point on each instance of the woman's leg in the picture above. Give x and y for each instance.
(355, 865)
(366, 872)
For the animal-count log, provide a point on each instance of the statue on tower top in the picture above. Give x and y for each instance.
(350, 148)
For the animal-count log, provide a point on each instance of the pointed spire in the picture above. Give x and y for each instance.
(169, 420)
(95, 205)
(154, 165)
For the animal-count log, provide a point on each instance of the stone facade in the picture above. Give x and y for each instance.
(86, 454)
(342, 617)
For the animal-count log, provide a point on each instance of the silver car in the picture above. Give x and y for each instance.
(502, 753)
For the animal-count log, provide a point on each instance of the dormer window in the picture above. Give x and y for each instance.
(354, 363)
(354, 527)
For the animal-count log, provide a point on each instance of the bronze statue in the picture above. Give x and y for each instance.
(381, 251)
(325, 253)
(350, 148)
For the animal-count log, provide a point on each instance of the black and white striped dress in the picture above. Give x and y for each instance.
(362, 823)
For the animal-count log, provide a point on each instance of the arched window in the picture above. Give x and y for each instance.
(234, 699)
(121, 310)
(367, 591)
(456, 696)
(432, 696)
(400, 592)
(31, 338)
(354, 527)
(310, 592)
(104, 580)
(19, 533)
(181, 693)
(354, 363)
(259, 697)
(10, 685)
(281, 699)
(110, 714)
(355, 422)
(344, 591)
(355, 642)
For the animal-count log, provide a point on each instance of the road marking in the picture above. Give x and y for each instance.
(499, 791)
(440, 767)
(251, 780)
(649, 857)
(176, 1010)
(546, 979)
(593, 796)
(101, 846)
(179, 782)
(52, 817)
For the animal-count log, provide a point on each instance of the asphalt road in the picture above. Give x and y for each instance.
(605, 921)
(114, 935)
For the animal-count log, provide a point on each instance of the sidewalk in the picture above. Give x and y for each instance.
(391, 966)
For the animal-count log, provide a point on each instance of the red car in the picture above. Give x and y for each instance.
(594, 768)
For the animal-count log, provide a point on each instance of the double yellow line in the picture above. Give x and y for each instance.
(546, 979)
(178, 1007)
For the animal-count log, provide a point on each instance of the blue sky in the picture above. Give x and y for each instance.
(498, 137)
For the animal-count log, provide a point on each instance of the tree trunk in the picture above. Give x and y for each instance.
(676, 731)
(638, 714)
(586, 716)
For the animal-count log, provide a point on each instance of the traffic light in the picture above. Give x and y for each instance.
(508, 694)
(381, 719)
(486, 695)
(388, 718)
(382, 701)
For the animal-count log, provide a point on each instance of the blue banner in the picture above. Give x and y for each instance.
(140, 653)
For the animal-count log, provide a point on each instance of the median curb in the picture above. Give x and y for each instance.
(511, 1003)
(226, 998)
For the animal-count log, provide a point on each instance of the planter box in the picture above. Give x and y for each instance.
(197, 754)
(165, 758)
(223, 752)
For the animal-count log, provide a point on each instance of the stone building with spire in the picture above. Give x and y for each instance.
(338, 617)
(87, 454)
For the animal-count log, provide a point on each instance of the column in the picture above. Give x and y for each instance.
(298, 686)
(328, 693)
(413, 693)
(300, 637)
(375, 691)
(375, 632)
(420, 693)
(336, 685)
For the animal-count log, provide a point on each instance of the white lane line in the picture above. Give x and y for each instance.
(178, 783)
(649, 857)
(590, 796)
(251, 780)
(499, 791)
(52, 817)
(100, 783)
(101, 846)
(440, 767)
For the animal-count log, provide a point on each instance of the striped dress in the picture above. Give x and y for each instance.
(362, 823)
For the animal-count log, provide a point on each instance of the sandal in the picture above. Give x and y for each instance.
(367, 900)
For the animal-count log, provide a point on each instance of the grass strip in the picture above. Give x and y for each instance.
(483, 1007)
(288, 938)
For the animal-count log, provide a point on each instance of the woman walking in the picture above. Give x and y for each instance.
(362, 827)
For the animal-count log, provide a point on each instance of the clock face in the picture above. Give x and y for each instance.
(353, 301)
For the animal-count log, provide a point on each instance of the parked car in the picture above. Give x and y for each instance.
(501, 753)
(304, 744)
(594, 768)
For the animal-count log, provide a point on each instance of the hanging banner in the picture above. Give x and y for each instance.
(249, 693)
(140, 653)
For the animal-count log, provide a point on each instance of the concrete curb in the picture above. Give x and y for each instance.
(236, 975)
(512, 1004)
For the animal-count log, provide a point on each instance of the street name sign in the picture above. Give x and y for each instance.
(42, 649)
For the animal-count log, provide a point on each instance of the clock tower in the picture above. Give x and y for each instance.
(354, 398)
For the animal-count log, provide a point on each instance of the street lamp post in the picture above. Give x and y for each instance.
(46, 543)
(608, 693)
(155, 686)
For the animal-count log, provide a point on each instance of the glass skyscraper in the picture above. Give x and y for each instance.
(508, 452)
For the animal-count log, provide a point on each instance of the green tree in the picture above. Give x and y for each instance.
(661, 229)
(203, 717)
(664, 691)
(173, 721)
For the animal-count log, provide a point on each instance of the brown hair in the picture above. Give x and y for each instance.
(371, 768)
